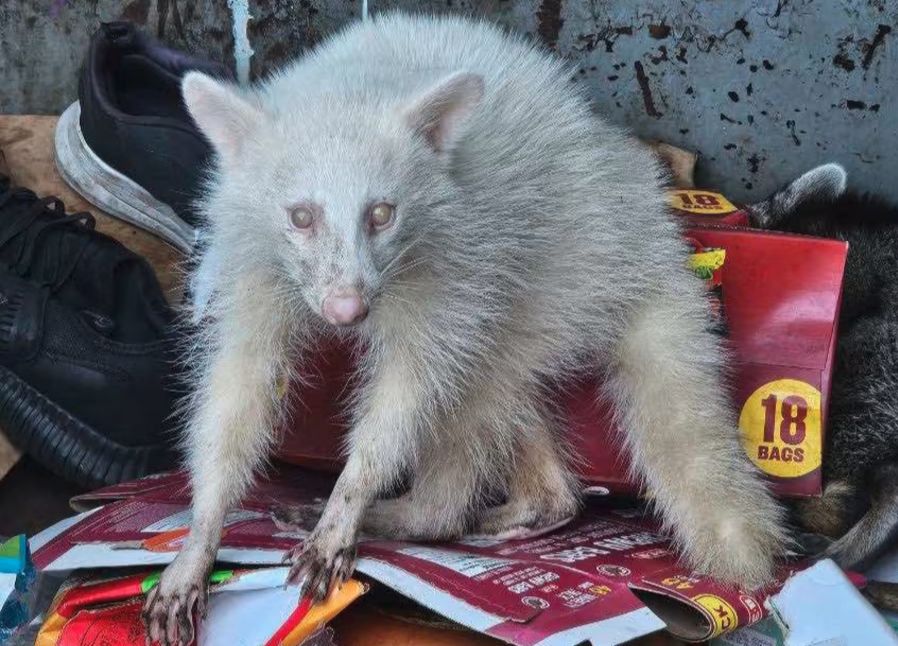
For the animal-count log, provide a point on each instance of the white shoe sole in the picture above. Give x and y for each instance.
(114, 193)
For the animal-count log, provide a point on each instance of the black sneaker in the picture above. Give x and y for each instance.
(128, 144)
(86, 346)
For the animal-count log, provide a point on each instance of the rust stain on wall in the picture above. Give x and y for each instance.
(881, 32)
(647, 98)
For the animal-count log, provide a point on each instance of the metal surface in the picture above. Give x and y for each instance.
(763, 89)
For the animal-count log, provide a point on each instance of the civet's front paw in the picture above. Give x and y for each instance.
(320, 563)
(170, 608)
(737, 549)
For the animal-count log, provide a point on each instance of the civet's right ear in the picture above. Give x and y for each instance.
(438, 113)
(823, 184)
(221, 113)
(826, 182)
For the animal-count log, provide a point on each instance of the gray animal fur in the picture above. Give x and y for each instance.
(531, 243)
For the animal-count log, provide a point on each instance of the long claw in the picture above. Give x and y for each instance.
(169, 615)
(317, 572)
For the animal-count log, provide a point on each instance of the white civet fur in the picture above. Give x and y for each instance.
(530, 243)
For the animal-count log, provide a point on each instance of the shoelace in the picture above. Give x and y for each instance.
(25, 223)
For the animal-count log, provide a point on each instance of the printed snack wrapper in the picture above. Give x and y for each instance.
(607, 577)
(781, 296)
(251, 604)
(16, 586)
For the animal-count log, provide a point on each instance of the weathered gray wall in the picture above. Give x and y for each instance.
(763, 89)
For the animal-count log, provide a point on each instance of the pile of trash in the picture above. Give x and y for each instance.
(607, 577)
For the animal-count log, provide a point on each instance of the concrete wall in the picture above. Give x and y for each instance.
(763, 89)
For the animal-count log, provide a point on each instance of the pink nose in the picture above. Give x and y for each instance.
(344, 307)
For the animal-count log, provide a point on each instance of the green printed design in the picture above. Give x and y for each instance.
(14, 555)
(149, 583)
(220, 576)
(703, 272)
(11, 548)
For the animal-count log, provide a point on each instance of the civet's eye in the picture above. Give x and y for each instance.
(381, 215)
(301, 217)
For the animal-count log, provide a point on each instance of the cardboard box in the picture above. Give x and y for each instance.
(781, 296)
(607, 577)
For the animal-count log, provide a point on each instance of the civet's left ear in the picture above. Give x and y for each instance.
(438, 113)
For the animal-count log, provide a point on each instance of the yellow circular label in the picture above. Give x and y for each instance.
(723, 615)
(780, 425)
(701, 202)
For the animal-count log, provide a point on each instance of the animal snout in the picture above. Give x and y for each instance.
(345, 306)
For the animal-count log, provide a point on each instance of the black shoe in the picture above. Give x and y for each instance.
(87, 384)
(128, 144)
